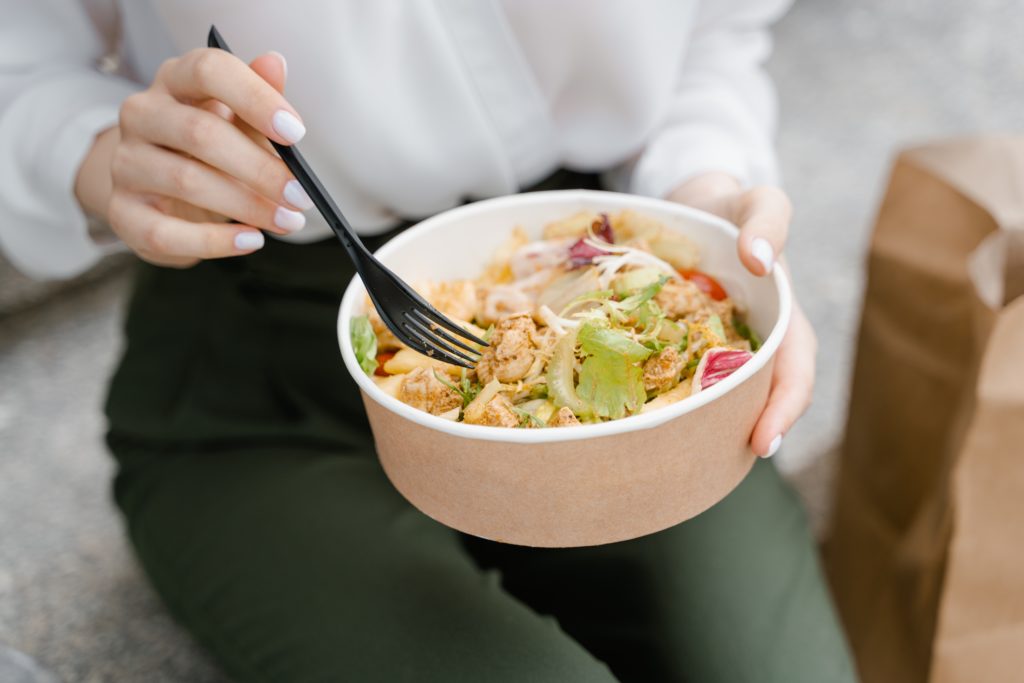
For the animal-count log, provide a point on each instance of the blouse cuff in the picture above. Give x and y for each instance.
(49, 131)
(679, 155)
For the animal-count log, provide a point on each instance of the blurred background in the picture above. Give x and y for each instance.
(856, 81)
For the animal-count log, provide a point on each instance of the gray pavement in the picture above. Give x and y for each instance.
(856, 81)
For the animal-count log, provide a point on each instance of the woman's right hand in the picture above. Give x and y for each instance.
(190, 152)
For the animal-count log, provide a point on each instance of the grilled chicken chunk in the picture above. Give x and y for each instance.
(511, 351)
(422, 390)
(662, 370)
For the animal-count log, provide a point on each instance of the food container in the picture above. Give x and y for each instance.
(571, 486)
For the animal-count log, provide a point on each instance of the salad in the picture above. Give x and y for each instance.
(603, 317)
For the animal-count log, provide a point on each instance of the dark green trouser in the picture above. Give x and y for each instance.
(257, 507)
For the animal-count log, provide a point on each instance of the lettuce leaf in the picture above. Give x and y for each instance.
(744, 331)
(714, 324)
(611, 378)
(642, 296)
(560, 375)
(364, 343)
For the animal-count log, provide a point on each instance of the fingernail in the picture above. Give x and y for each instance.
(296, 196)
(289, 220)
(284, 62)
(248, 241)
(763, 252)
(288, 126)
(773, 447)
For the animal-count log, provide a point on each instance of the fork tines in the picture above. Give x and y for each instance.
(423, 329)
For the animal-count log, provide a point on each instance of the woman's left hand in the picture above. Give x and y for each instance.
(763, 215)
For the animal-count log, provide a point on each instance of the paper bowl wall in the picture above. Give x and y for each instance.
(572, 486)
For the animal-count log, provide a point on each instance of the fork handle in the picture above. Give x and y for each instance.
(297, 164)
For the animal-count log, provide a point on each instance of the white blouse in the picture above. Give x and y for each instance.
(411, 106)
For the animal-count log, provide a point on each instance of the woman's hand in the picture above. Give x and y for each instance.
(763, 215)
(190, 153)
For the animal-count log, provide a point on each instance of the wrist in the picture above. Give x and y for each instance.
(93, 183)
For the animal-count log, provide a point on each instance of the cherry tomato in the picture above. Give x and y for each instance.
(705, 283)
(382, 358)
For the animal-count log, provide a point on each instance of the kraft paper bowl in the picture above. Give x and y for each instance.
(572, 486)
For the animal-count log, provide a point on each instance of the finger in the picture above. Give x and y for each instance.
(155, 170)
(168, 240)
(273, 68)
(218, 108)
(763, 214)
(208, 73)
(792, 387)
(210, 138)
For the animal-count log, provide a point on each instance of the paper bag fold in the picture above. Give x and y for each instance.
(934, 419)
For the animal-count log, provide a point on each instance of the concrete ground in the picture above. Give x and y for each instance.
(856, 81)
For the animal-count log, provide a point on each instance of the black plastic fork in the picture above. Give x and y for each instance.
(415, 322)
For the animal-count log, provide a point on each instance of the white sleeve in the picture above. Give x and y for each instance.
(722, 113)
(53, 102)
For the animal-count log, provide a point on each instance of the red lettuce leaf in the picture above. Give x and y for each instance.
(582, 253)
(717, 364)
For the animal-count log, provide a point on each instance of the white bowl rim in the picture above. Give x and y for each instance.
(355, 293)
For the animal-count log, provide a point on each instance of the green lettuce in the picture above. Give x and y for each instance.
(744, 331)
(611, 378)
(364, 343)
(715, 325)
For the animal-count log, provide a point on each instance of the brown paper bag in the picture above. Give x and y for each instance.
(925, 541)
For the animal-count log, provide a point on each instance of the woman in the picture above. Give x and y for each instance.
(246, 470)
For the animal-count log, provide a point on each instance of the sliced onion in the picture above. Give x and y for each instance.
(475, 409)
(560, 292)
(557, 323)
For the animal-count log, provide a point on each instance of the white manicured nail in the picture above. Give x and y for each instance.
(288, 126)
(296, 196)
(773, 447)
(289, 220)
(284, 62)
(763, 252)
(248, 241)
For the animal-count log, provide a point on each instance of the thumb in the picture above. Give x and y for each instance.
(272, 68)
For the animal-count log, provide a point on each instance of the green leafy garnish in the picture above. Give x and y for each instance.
(628, 282)
(599, 296)
(527, 419)
(611, 378)
(364, 343)
(465, 388)
(561, 375)
(744, 331)
(636, 306)
(635, 301)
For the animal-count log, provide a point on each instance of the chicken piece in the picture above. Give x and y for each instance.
(422, 390)
(511, 351)
(563, 418)
(497, 413)
(662, 370)
(544, 339)
(679, 298)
